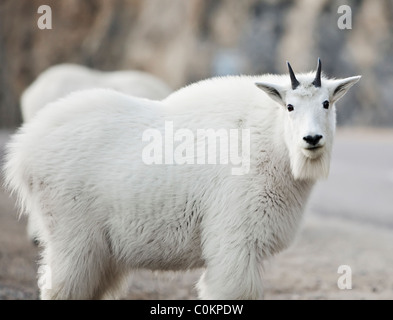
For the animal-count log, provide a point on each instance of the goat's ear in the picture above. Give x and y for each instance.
(338, 88)
(274, 91)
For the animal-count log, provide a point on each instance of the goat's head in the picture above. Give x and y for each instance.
(308, 103)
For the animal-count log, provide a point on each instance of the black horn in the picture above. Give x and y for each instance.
(294, 81)
(317, 80)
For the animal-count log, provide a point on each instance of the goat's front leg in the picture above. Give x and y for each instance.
(233, 272)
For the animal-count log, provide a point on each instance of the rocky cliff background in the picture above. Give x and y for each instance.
(185, 41)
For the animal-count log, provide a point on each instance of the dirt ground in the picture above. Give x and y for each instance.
(349, 221)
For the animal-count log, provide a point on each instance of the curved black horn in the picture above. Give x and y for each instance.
(294, 81)
(317, 80)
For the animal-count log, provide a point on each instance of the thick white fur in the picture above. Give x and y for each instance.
(77, 167)
(60, 80)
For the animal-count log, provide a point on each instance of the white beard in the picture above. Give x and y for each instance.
(307, 168)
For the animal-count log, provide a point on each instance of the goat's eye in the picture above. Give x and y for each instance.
(290, 107)
(326, 104)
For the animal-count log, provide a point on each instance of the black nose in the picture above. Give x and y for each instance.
(313, 140)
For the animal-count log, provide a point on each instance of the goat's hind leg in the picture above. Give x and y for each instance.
(78, 268)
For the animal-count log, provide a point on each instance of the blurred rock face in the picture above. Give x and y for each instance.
(185, 41)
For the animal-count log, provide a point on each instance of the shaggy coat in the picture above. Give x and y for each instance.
(60, 80)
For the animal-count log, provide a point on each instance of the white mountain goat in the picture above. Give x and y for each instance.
(104, 209)
(60, 80)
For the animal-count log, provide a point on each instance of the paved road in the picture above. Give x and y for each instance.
(360, 185)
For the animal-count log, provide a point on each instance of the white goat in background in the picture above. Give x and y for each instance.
(77, 167)
(60, 80)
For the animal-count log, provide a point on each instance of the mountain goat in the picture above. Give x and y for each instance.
(104, 209)
(60, 80)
